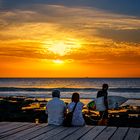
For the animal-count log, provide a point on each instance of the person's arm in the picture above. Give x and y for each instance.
(46, 111)
(65, 110)
(98, 94)
(106, 101)
(82, 104)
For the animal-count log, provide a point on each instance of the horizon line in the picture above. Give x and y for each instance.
(69, 77)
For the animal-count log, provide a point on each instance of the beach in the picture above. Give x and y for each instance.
(22, 109)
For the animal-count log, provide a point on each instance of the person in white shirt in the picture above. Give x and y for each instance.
(56, 109)
(77, 119)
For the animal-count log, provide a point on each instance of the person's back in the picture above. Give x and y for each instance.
(102, 93)
(77, 119)
(55, 110)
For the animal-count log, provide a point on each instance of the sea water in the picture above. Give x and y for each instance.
(87, 87)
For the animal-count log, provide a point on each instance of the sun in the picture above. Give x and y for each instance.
(62, 47)
(59, 48)
(57, 61)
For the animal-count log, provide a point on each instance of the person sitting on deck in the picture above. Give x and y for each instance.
(77, 119)
(55, 109)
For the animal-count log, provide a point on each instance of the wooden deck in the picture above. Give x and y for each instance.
(28, 131)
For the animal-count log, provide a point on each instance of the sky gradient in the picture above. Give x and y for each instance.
(64, 38)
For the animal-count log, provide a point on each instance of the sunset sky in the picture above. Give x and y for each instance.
(69, 38)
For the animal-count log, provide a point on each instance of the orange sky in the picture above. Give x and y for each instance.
(61, 41)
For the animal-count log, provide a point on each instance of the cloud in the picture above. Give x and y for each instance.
(124, 35)
(105, 36)
(87, 20)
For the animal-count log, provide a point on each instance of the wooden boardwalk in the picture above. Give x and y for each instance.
(29, 131)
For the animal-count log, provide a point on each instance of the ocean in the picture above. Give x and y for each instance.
(87, 87)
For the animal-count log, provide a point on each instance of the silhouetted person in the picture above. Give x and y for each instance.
(103, 93)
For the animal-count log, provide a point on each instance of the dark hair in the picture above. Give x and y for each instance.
(105, 86)
(56, 93)
(75, 97)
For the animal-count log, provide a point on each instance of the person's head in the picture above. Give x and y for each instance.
(56, 93)
(75, 97)
(105, 87)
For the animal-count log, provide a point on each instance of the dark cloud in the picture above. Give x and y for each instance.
(127, 35)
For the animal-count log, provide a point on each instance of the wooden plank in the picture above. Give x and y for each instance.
(106, 134)
(4, 123)
(7, 126)
(25, 133)
(7, 134)
(37, 133)
(120, 133)
(79, 133)
(133, 134)
(11, 126)
(20, 134)
(51, 133)
(93, 133)
(64, 133)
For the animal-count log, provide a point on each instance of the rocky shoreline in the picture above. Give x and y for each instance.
(24, 109)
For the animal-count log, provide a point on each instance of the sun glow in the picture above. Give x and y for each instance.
(62, 47)
(59, 48)
(58, 61)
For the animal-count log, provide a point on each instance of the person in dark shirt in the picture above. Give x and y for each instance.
(104, 93)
